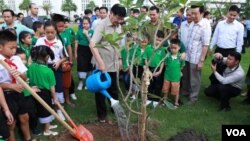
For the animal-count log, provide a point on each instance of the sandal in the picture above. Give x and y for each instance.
(50, 133)
(52, 126)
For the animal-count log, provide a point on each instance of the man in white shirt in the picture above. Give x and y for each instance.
(228, 34)
(183, 31)
(199, 35)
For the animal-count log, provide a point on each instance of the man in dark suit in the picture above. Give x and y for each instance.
(33, 17)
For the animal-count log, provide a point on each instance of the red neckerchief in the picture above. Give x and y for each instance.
(49, 44)
(12, 65)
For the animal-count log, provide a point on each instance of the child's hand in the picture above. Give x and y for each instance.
(17, 87)
(56, 65)
(156, 74)
(55, 100)
(14, 72)
(36, 89)
(9, 117)
(85, 32)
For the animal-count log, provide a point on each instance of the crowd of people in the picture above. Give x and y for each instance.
(42, 52)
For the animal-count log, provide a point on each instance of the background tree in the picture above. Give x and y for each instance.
(2, 5)
(25, 5)
(91, 5)
(246, 9)
(47, 7)
(68, 6)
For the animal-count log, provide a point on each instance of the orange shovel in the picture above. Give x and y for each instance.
(79, 132)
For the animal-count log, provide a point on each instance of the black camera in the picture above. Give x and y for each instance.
(217, 61)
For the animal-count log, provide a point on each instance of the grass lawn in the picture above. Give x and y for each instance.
(203, 116)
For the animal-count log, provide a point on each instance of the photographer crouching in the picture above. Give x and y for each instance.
(230, 82)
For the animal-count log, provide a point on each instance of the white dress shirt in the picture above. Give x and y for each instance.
(228, 35)
(57, 48)
(5, 76)
(199, 35)
(183, 32)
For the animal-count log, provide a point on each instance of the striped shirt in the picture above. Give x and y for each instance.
(199, 35)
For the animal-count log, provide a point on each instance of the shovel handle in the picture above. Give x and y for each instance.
(38, 98)
(66, 115)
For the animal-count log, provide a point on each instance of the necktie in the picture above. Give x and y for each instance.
(49, 44)
(12, 65)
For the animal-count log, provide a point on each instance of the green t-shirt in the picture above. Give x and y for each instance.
(82, 39)
(72, 35)
(34, 40)
(41, 76)
(158, 55)
(125, 52)
(26, 50)
(66, 38)
(173, 68)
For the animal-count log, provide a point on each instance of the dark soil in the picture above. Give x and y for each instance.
(188, 135)
(100, 132)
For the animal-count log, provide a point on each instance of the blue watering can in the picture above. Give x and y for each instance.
(99, 82)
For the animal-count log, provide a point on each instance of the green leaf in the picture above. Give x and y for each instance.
(139, 3)
(183, 1)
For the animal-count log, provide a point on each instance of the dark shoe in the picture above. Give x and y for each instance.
(226, 109)
(36, 132)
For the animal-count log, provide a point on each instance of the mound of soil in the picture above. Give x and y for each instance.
(188, 135)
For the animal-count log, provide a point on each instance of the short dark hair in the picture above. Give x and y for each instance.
(86, 18)
(9, 10)
(234, 8)
(87, 11)
(37, 25)
(136, 10)
(57, 18)
(236, 55)
(154, 8)
(146, 35)
(206, 13)
(175, 41)
(23, 35)
(118, 10)
(19, 51)
(30, 5)
(181, 10)
(201, 8)
(105, 8)
(145, 7)
(41, 52)
(160, 34)
(19, 14)
(96, 8)
(7, 36)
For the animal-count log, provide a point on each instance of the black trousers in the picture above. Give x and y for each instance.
(223, 93)
(100, 99)
(155, 86)
(248, 37)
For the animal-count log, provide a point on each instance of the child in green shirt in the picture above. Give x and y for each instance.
(172, 74)
(25, 43)
(153, 56)
(43, 77)
(82, 52)
(38, 28)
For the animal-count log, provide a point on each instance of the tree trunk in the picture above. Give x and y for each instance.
(69, 14)
(143, 118)
(47, 12)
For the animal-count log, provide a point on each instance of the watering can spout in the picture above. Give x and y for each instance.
(113, 102)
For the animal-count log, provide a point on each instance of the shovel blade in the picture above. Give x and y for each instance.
(82, 134)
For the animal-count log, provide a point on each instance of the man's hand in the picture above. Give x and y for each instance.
(9, 117)
(200, 65)
(102, 67)
(17, 87)
(218, 55)
(213, 67)
(36, 89)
